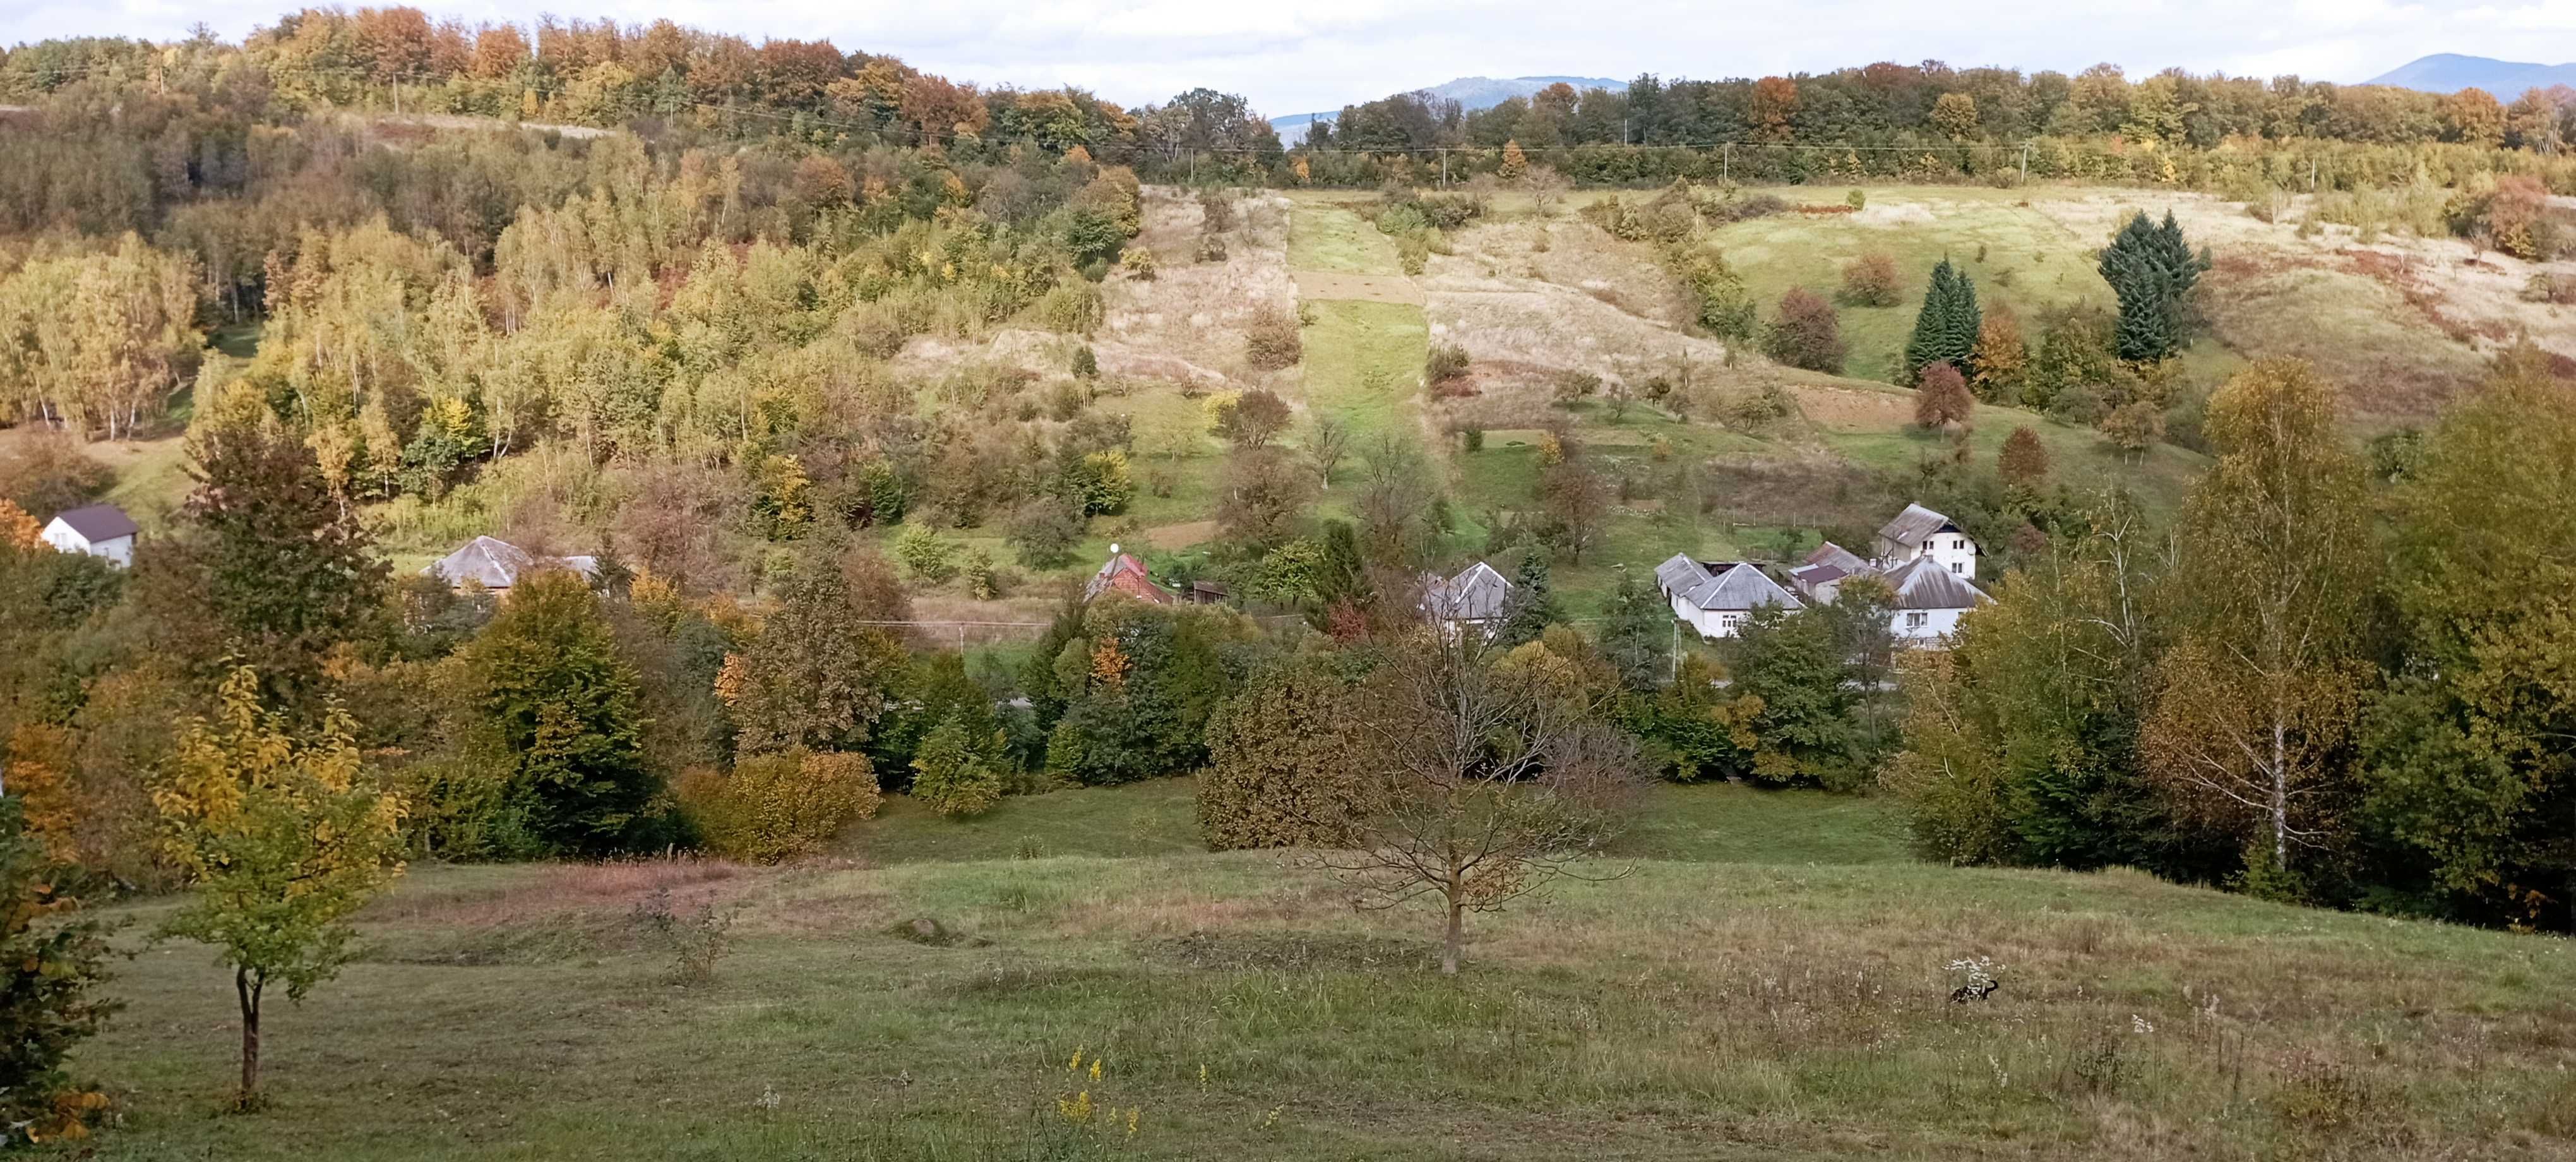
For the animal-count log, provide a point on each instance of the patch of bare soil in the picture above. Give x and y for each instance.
(1373, 288)
(1181, 536)
(1841, 409)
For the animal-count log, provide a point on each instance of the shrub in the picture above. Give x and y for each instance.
(1273, 341)
(1871, 281)
(1806, 333)
(1211, 248)
(777, 807)
(50, 994)
(1403, 220)
(1472, 439)
(1068, 308)
(1044, 531)
(1445, 362)
(1284, 767)
(2550, 288)
(929, 556)
(1086, 365)
(952, 774)
(1138, 263)
(1857, 200)
(694, 942)
(1574, 383)
(50, 474)
(1413, 251)
(1216, 212)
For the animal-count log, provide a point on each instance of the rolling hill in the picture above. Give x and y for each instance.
(2445, 72)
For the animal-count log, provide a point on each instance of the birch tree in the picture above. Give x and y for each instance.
(2256, 701)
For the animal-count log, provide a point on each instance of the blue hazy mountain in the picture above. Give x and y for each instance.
(1471, 93)
(2445, 72)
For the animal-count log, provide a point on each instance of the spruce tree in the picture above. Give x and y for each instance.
(1945, 330)
(2151, 269)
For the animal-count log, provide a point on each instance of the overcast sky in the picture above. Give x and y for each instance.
(1301, 55)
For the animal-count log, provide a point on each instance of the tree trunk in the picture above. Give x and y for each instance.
(248, 988)
(2280, 798)
(1455, 936)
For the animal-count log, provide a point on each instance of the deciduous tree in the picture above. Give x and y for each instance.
(282, 838)
(1496, 782)
(2257, 699)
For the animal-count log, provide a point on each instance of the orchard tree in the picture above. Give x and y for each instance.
(954, 771)
(2258, 697)
(1942, 399)
(2024, 461)
(283, 839)
(1496, 779)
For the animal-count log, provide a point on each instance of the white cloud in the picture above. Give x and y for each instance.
(1317, 54)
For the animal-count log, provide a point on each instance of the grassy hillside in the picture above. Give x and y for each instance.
(1762, 979)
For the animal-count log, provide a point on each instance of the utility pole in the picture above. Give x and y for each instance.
(1730, 161)
(1444, 167)
(2025, 163)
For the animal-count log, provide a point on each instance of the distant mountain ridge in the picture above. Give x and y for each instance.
(1471, 93)
(2446, 72)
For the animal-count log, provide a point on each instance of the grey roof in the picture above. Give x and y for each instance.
(1839, 557)
(1924, 583)
(1477, 593)
(98, 523)
(1726, 585)
(1914, 524)
(497, 564)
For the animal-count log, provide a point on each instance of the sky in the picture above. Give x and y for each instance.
(1295, 56)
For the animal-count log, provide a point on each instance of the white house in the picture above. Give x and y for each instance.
(496, 565)
(1479, 597)
(1921, 532)
(1714, 598)
(1930, 600)
(100, 530)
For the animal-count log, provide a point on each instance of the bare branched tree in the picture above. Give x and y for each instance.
(1498, 778)
(1328, 440)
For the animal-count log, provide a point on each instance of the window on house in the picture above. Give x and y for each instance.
(1955, 565)
(1915, 619)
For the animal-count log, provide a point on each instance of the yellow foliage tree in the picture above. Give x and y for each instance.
(1515, 163)
(17, 529)
(283, 839)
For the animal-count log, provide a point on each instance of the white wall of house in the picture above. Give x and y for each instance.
(1709, 622)
(61, 536)
(1952, 551)
(1924, 626)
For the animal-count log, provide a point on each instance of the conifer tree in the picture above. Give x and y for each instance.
(1945, 330)
(2151, 269)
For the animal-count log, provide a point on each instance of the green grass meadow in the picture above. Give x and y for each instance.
(1748, 975)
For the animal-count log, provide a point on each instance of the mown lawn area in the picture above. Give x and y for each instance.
(1749, 976)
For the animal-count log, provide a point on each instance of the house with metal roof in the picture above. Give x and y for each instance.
(1929, 601)
(1478, 597)
(1715, 597)
(495, 565)
(100, 530)
(1126, 574)
(1921, 532)
(1821, 575)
